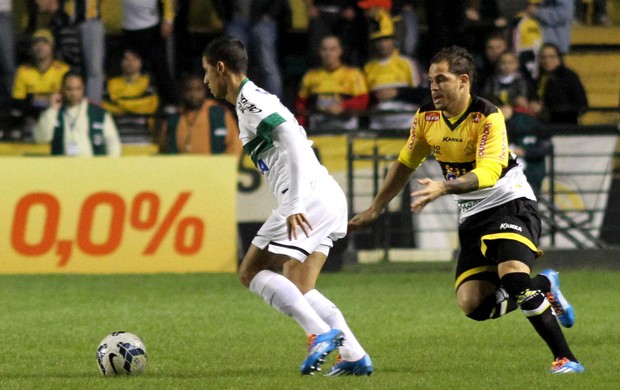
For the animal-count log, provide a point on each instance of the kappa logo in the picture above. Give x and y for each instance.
(505, 226)
(245, 105)
(431, 116)
(450, 139)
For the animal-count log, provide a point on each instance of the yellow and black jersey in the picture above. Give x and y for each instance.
(320, 86)
(29, 80)
(395, 72)
(475, 141)
(135, 96)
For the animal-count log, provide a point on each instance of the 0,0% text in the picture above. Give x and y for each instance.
(142, 213)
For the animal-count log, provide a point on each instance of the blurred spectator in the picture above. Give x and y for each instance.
(329, 95)
(35, 83)
(599, 12)
(528, 142)
(555, 16)
(203, 126)
(394, 81)
(482, 20)
(527, 37)
(67, 36)
(7, 53)
(340, 18)
(255, 24)
(86, 16)
(146, 29)
(508, 84)
(75, 127)
(561, 96)
(408, 26)
(494, 46)
(132, 92)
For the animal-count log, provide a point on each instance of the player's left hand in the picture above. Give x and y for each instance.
(431, 191)
(298, 220)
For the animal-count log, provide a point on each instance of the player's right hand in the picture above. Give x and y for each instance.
(362, 220)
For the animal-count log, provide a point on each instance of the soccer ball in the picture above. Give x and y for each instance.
(121, 353)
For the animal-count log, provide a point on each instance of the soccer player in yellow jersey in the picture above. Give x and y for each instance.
(499, 225)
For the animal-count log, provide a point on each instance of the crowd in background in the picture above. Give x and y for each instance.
(360, 57)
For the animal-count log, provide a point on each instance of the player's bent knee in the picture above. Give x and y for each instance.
(467, 304)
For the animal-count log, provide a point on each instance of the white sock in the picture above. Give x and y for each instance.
(283, 295)
(352, 350)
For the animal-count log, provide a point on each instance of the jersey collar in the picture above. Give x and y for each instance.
(244, 82)
(461, 117)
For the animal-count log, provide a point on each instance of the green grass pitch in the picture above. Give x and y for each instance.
(205, 331)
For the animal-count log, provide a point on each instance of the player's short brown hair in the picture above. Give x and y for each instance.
(228, 50)
(459, 60)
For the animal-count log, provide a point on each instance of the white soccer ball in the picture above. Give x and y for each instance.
(121, 353)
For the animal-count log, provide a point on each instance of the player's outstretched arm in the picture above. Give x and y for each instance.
(395, 180)
(434, 189)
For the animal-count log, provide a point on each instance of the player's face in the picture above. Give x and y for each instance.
(73, 90)
(214, 80)
(447, 89)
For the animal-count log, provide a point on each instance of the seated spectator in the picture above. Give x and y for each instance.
(394, 80)
(75, 127)
(68, 47)
(132, 92)
(560, 93)
(203, 126)
(36, 82)
(527, 142)
(508, 83)
(494, 46)
(329, 95)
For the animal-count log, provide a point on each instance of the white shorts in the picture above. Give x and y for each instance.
(326, 209)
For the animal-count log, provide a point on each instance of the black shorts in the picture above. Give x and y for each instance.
(507, 232)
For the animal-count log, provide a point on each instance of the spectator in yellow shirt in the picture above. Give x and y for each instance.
(330, 95)
(132, 92)
(35, 82)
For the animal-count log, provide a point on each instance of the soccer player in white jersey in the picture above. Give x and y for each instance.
(311, 213)
(499, 225)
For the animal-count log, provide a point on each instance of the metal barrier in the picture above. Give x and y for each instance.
(578, 200)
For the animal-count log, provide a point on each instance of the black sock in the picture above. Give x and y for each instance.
(538, 311)
(541, 283)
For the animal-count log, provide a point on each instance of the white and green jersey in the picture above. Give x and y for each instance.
(259, 113)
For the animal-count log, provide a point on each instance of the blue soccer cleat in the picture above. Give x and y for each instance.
(565, 366)
(319, 346)
(562, 309)
(359, 367)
